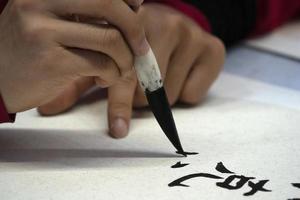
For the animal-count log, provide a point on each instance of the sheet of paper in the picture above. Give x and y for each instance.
(284, 41)
(247, 127)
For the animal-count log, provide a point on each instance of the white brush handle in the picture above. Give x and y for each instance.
(148, 72)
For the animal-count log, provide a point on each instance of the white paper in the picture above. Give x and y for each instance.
(284, 41)
(247, 125)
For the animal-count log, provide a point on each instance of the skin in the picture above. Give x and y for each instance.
(43, 51)
(190, 60)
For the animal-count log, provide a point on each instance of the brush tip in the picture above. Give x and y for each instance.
(185, 154)
(182, 153)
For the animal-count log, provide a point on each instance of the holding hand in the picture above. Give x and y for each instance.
(42, 52)
(189, 58)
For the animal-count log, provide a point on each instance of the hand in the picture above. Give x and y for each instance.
(189, 58)
(42, 51)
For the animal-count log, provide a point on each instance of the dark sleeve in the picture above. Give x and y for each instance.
(235, 20)
(274, 13)
(2, 5)
(231, 20)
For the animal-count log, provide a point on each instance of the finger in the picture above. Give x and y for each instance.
(120, 97)
(77, 62)
(104, 39)
(181, 62)
(203, 73)
(117, 13)
(68, 97)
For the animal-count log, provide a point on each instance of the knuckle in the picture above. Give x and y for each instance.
(193, 36)
(217, 48)
(175, 22)
(130, 78)
(35, 31)
(196, 37)
(114, 41)
(218, 45)
(120, 106)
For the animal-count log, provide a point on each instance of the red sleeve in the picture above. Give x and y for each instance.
(2, 4)
(189, 10)
(274, 13)
(4, 116)
(270, 14)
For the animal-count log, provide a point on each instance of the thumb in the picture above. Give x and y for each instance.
(120, 98)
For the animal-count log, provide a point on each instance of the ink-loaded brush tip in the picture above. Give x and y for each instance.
(160, 107)
(181, 153)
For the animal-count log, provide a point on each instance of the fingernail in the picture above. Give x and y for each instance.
(119, 128)
(144, 48)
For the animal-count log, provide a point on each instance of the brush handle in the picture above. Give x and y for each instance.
(148, 72)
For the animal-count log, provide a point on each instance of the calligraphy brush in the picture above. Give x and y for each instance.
(149, 77)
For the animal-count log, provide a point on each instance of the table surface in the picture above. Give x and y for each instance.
(66, 157)
(263, 66)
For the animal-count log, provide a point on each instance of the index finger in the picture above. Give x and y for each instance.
(117, 13)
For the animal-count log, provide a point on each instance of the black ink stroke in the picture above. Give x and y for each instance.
(185, 154)
(179, 165)
(297, 185)
(255, 187)
(221, 168)
(241, 181)
(178, 182)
